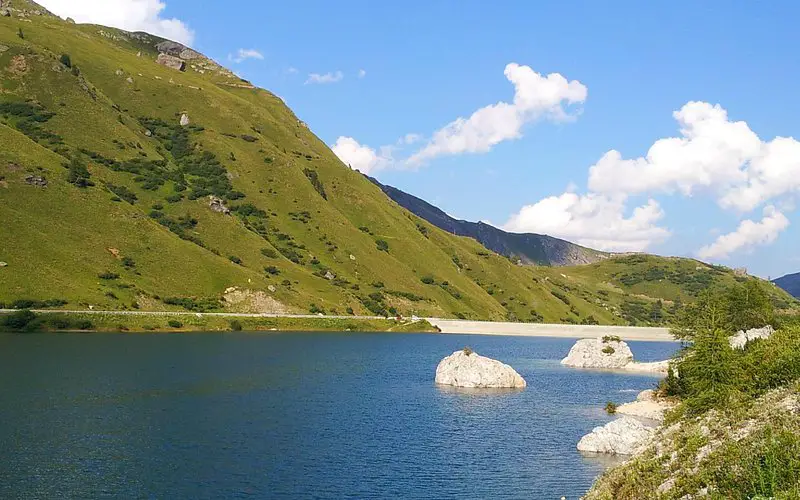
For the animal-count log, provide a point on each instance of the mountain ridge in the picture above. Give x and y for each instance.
(790, 283)
(528, 248)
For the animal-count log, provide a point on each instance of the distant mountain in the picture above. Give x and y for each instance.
(529, 248)
(790, 283)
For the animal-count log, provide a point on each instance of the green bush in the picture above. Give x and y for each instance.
(428, 280)
(611, 338)
(272, 270)
(611, 408)
(108, 275)
(174, 323)
(608, 350)
(18, 321)
(235, 259)
(382, 245)
(269, 253)
(236, 325)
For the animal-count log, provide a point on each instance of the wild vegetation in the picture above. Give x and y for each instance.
(736, 430)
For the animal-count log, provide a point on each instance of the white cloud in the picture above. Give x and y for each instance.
(291, 70)
(593, 220)
(362, 73)
(130, 15)
(244, 54)
(748, 235)
(713, 153)
(410, 139)
(326, 78)
(361, 157)
(535, 97)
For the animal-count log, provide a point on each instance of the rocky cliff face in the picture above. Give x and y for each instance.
(528, 248)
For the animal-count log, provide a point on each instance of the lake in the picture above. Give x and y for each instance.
(295, 415)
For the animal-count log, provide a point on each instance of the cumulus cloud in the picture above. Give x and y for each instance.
(130, 15)
(361, 157)
(244, 54)
(535, 97)
(748, 235)
(324, 78)
(713, 153)
(593, 220)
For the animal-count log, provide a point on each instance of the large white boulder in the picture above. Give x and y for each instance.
(601, 352)
(741, 338)
(624, 436)
(465, 368)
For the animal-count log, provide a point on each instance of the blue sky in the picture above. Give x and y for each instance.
(618, 71)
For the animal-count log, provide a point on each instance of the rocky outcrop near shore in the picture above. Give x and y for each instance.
(603, 352)
(465, 368)
(624, 436)
(609, 352)
(647, 405)
(741, 338)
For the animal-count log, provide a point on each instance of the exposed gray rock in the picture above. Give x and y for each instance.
(271, 288)
(169, 61)
(129, 80)
(3, 264)
(741, 338)
(624, 436)
(465, 368)
(70, 20)
(184, 120)
(3, 48)
(597, 353)
(36, 180)
(171, 48)
(5, 13)
(218, 205)
(189, 54)
(148, 133)
(329, 275)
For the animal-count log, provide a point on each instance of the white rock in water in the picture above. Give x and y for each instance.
(741, 338)
(184, 120)
(472, 370)
(595, 353)
(624, 436)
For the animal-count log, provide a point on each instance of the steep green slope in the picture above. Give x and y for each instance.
(125, 219)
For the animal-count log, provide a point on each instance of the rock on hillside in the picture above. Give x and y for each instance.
(741, 338)
(602, 352)
(465, 368)
(624, 436)
(528, 248)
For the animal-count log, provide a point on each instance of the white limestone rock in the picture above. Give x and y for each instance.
(465, 368)
(184, 120)
(651, 367)
(741, 338)
(647, 405)
(597, 353)
(624, 436)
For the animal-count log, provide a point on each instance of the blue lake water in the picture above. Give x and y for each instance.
(300, 415)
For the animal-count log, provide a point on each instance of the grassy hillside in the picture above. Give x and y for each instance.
(125, 220)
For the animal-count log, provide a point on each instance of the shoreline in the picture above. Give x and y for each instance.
(634, 333)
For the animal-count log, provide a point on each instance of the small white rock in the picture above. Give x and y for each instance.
(741, 338)
(184, 120)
